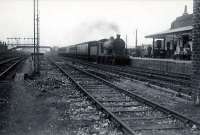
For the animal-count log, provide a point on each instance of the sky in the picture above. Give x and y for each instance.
(67, 22)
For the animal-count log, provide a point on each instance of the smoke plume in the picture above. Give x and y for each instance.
(95, 31)
(103, 26)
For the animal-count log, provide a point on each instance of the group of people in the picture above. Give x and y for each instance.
(184, 53)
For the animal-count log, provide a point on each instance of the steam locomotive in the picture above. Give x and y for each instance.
(104, 51)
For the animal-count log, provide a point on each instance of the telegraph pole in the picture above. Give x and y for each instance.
(38, 39)
(34, 37)
(126, 41)
(36, 60)
(136, 39)
(126, 50)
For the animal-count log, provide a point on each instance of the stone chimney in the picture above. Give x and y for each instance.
(185, 10)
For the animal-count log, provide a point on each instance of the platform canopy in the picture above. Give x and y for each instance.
(170, 32)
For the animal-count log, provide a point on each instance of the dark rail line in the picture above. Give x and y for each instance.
(104, 94)
(96, 102)
(179, 83)
(7, 66)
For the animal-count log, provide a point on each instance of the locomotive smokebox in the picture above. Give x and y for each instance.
(118, 46)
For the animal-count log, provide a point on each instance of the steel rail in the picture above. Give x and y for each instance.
(116, 120)
(153, 71)
(135, 69)
(178, 83)
(175, 114)
(8, 60)
(153, 81)
(181, 95)
(164, 77)
(11, 67)
(142, 75)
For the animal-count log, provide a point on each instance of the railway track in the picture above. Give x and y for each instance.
(178, 82)
(7, 66)
(134, 114)
(79, 115)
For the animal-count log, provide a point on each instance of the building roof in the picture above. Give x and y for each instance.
(170, 31)
(182, 21)
(181, 24)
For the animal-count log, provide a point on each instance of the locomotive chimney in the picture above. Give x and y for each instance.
(118, 36)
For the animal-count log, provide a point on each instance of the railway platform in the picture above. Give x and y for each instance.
(163, 65)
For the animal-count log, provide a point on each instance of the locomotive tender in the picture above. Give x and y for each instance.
(105, 51)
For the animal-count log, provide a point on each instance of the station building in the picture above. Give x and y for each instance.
(175, 42)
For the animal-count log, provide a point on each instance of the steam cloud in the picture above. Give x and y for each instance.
(104, 26)
(95, 31)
